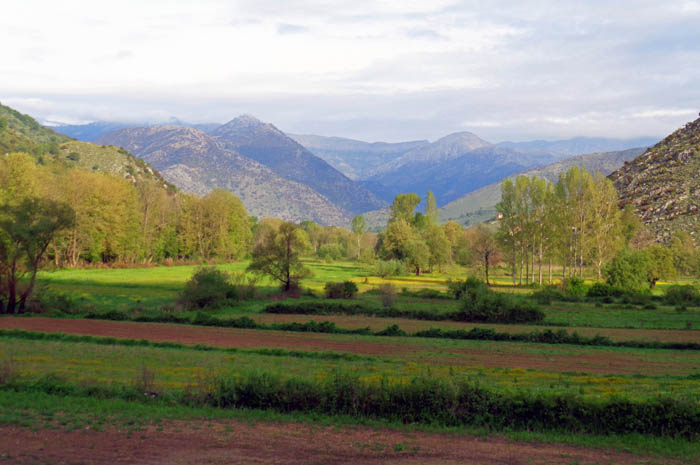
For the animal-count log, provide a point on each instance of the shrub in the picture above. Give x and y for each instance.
(684, 295)
(387, 293)
(208, 287)
(628, 271)
(574, 287)
(547, 294)
(344, 290)
(604, 290)
(384, 269)
(480, 304)
(44, 300)
(459, 288)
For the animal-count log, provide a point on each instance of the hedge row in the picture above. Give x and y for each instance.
(483, 334)
(422, 400)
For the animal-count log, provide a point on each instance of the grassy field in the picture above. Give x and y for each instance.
(596, 376)
(153, 288)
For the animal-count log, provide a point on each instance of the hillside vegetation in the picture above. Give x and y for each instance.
(662, 184)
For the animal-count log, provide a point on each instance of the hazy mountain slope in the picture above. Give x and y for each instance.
(355, 159)
(266, 144)
(90, 132)
(663, 184)
(197, 163)
(480, 205)
(451, 146)
(453, 177)
(581, 145)
(22, 133)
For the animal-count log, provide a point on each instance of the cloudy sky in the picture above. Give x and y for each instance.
(373, 70)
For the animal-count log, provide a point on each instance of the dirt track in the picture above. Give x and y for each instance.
(234, 442)
(500, 355)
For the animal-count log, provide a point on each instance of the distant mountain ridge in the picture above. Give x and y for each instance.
(198, 163)
(90, 132)
(356, 159)
(446, 148)
(663, 184)
(480, 204)
(266, 144)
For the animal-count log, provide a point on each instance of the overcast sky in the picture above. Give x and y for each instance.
(374, 70)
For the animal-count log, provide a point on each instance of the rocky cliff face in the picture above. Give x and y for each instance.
(663, 184)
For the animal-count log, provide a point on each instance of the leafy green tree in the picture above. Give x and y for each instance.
(660, 264)
(416, 255)
(685, 254)
(26, 230)
(485, 247)
(432, 213)
(358, 228)
(394, 240)
(438, 245)
(403, 207)
(278, 255)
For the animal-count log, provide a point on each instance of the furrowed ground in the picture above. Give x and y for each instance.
(187, 390)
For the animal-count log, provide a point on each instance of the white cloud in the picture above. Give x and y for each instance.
(374, 69)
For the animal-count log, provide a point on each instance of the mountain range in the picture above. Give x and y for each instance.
(330, 179)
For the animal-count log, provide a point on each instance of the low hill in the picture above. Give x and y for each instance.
(22, 133)
(663, 184)
(480, 205)
(198, 163)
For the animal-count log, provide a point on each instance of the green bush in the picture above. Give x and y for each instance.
(344, 290)
(208, 287)
(480, 304)
(604, 290)
(547, 294)
(575, 287)
(682, 295)
(629, 271)
(459, 288)
(388, 268)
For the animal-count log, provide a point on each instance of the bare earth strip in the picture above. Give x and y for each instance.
(457, 353)
(235, 442)
(412, 326)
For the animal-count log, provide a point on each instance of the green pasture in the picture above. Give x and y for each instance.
(157, 287)
(178, 368)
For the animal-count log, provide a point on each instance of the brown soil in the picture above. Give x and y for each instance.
(412, 326)
(501, 355)
(236, 442)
